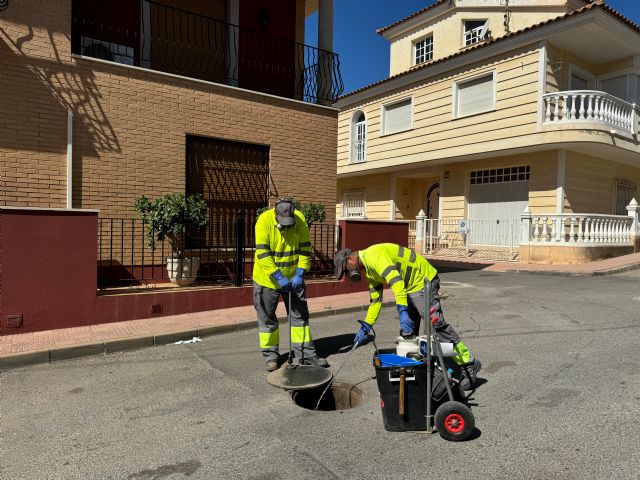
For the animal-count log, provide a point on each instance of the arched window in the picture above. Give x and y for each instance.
(358, 137)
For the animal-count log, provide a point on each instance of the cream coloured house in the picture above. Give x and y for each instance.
(511, 125)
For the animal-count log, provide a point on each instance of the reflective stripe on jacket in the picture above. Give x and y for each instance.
(400, 267)
(283, 250)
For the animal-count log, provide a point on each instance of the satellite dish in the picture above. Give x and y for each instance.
(485, 30)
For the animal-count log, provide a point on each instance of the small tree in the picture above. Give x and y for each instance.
(169, 216)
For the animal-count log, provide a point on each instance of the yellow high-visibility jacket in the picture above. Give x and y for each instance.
(283, 250)
(398, 266)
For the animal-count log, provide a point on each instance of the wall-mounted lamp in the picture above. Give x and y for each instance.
(3, 5)
(557, 66)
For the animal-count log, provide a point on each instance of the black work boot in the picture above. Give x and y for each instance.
(469, 374)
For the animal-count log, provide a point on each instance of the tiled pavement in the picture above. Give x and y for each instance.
(51, 345)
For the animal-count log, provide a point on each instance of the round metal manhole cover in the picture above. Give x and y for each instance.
(341, 396)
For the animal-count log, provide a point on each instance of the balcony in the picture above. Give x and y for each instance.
(589, 109)
(162, 38)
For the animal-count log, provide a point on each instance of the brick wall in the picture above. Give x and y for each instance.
(130, 125)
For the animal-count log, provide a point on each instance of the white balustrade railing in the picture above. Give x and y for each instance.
(590, 106)
(577, 228)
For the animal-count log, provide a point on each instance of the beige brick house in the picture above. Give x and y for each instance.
(512, 126)
(104, 101)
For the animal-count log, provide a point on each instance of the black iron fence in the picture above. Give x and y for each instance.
(224, 253)
(151, 35)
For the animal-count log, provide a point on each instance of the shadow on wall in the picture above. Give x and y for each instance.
(38, 92)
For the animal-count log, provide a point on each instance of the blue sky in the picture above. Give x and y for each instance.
(364, 55)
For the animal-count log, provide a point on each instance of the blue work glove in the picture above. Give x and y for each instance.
(282, 280)
(406, 324)
(362, 336)
(297, 282)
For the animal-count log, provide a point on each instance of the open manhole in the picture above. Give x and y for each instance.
(341, 396)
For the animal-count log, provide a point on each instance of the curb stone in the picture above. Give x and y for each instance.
(135, 343)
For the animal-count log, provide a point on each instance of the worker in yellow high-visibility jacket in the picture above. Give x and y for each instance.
(405, 273)
(283, 255)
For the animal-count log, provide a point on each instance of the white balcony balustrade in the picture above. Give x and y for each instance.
(590, 106)
(576, 228)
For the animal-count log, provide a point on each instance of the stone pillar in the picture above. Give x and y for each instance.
(325, 51)
(420, 230)
(633, 210)
(526, 226)
(524, 250)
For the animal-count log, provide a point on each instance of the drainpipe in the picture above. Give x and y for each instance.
(69, 159)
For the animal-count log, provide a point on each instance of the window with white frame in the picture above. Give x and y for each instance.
(423, 50)
(475, 96)
(358, 137)
(353, 205)
(500, 175)
(396, 117)
(475, 31)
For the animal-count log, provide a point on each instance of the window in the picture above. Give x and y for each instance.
(625, 191)
(358, 137)
(475, 31)
(476, 95)
(396, 117)
(353, 205)
(423, 50)
(616, 86)
(501, 175)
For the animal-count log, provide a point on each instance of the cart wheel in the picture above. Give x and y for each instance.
(454, 421)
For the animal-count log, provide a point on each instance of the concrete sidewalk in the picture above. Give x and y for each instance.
(52, 345)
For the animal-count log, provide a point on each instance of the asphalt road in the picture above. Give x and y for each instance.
(560, 399)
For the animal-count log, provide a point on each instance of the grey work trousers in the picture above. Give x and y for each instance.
(266, 301)
(445, 332)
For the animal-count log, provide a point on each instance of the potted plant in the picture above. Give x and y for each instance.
(171, 216)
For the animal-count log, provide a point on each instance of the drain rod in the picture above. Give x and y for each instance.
(333, 378)
(373, 337)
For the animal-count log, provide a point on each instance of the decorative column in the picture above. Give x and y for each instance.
(420, 233)
(325, 51)
(633, 210)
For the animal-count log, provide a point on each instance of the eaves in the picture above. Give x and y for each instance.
(392, 32)
(481, 53)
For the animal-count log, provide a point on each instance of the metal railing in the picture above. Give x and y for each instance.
(168, 39)
(482, 238)
(224, 251)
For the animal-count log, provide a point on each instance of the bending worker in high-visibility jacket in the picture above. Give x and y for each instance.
(405, 273)
(283, 255)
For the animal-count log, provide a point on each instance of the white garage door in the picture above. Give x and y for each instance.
(497, 198)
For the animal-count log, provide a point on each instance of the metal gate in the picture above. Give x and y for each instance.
(497, 198)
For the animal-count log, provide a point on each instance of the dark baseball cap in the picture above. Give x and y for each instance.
(340, 262)
(284, 213)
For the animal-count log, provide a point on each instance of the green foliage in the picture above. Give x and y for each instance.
(313, 212)
(170, 215)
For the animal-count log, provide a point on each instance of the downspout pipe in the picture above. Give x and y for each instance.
(69, 159)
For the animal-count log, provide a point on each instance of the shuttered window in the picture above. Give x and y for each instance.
(475, 96)
(616, 86)
(397, 116)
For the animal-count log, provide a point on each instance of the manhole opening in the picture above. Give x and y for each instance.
(341, 396)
